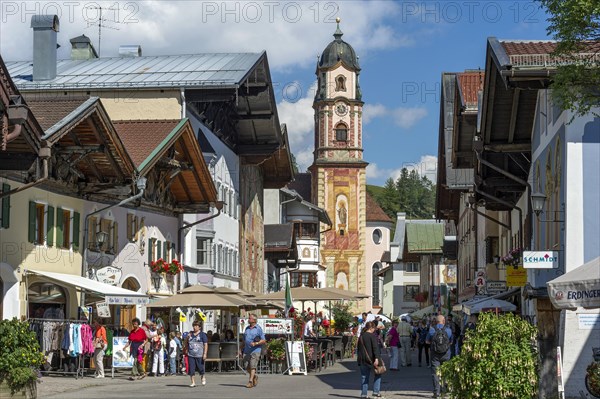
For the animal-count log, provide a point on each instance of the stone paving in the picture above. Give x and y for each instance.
(339, 381)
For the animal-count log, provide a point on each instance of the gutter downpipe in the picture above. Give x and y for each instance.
(44, 155)
(141, 185)
(218, 205)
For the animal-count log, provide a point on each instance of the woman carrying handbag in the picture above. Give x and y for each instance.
(369, 358)
(100, 344)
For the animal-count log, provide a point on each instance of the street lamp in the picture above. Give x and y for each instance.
(101, 238)
(156, 280)
(537, 202)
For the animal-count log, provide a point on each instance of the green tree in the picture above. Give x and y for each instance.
(498, 360)
(574, 24)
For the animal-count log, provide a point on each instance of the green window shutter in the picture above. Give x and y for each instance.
(76, 221)
(149, 251)
(5, 207)
(159, 249)
(32, 220)
(50, 229)
(165, 250)
(60, 222)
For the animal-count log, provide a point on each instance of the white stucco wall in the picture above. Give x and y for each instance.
(373, 254)
(225, 228)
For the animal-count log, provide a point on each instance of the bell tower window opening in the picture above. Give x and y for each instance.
(340, 83)
(341, 132)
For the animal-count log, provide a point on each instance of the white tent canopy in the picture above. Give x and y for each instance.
(578, 288)
(489, 304)
(114, 295)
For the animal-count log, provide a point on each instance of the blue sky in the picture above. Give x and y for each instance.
(404, 46)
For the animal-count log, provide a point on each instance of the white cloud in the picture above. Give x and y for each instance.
(292, 33)
(408, 117)
(426, 166)
(299, 118)
(372, 111)
(402, 117)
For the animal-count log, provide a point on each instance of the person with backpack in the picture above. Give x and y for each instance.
(439, 339)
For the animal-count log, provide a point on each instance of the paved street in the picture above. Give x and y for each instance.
(339, 381)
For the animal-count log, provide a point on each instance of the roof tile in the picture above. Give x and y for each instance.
(470, 85)
(302, 185)
(374, 211)
(140, 138)
(50, 112)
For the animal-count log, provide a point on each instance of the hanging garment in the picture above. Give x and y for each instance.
(87, 339)
(72, 338)
(66, 338)
(109, 338)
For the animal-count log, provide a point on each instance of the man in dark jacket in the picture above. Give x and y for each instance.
(440, 351)
(368, 357)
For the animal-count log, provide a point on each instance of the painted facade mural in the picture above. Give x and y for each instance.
(252, 229)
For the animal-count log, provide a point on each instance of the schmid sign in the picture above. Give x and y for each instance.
(540, 259)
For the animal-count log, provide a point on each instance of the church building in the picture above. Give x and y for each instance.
(338, 171)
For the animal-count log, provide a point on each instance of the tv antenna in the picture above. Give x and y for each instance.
(100, 22)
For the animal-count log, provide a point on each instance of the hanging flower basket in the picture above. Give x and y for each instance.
(162, 266)
(513, 258)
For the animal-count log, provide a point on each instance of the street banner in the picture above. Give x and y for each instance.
(269, 326)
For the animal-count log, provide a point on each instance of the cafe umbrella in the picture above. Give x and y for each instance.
(579, 287)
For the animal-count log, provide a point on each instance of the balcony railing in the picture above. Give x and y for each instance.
(549, 60)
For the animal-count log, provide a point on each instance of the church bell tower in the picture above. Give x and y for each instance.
(338, 170)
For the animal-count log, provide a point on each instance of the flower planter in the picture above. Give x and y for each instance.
(29, 392)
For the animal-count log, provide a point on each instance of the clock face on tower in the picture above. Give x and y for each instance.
(341, 109)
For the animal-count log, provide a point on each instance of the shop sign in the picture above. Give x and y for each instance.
(121, 357)
(127, 300)
(589, 321)
(540, 259)
(516, 277)
(495, 287)
(103, 309)
(480, 279)
(109, 275)
(269, 326)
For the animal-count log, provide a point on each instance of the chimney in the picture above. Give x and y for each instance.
(45, 28)
(82, 48)
(130, 50)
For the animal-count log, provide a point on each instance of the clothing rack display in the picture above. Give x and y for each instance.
(64, 343)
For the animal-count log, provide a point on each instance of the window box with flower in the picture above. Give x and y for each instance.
(170, 268)
(513, 258)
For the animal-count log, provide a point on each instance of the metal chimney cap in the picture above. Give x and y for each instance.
(130, 50)
(80, 39)
(45, 22)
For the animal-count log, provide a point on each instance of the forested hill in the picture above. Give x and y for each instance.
(410, 193)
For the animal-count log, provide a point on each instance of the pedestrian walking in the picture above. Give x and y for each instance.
(100, 345)
(404, 332)
(393, 340)
(254, 339)
(196, 346)
(158, 351)
(136, 340)
(440, 338)
(172, 354)
(422, 344)
(368, 357)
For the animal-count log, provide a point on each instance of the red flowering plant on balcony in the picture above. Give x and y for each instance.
(513, 258)
(162, 266)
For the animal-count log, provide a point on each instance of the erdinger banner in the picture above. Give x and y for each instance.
(578, 288)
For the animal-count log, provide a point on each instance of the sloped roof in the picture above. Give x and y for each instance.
(374, 211)
(49, 112)
(302, 185)
(425, 238)
(470, 83)
(142, 137)
(520, 47)
(278, 236)
(196, 70)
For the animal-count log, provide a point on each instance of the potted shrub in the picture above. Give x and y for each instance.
(498, 359)
(20, 359)
(276, 352)
(342, 316)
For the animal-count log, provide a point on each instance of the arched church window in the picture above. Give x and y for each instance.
(341, 132)
(340, 83)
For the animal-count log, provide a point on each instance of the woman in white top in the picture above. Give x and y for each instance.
(158, 343)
